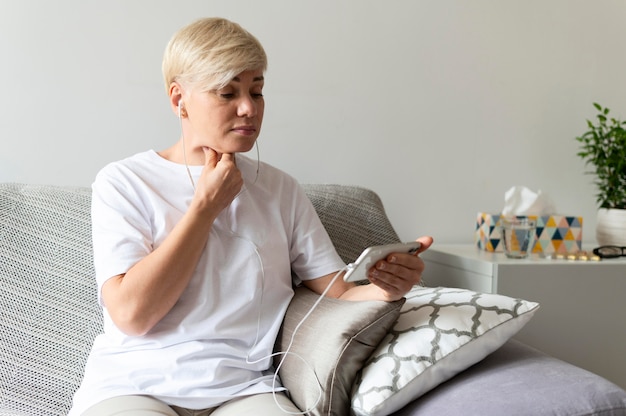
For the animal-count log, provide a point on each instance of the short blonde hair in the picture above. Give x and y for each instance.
(209, 53)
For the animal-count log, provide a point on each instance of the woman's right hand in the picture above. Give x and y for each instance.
(140, 298)
(219, 183)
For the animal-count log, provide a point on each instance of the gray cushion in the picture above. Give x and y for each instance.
(518, 380)
(354, 218)
(335, 340)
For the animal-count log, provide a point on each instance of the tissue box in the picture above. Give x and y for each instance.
(555, 233)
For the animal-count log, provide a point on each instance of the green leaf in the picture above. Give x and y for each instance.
(603, 147)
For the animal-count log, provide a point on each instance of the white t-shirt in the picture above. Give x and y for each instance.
(215, 343)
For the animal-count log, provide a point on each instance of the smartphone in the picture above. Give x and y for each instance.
(358, 270)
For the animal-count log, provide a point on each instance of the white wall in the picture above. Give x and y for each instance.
(439, 106)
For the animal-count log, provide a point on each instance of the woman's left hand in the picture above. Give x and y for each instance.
(391, 278)
(399, 272)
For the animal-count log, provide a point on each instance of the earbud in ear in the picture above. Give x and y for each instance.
(180, 106)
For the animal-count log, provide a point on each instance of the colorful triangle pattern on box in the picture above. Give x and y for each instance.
(554, 234)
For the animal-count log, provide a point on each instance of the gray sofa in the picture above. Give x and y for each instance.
(49, 315)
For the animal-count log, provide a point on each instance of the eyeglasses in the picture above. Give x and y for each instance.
(609, 252)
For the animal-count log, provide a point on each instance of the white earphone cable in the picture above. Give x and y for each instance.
(287, 352)
(182, 135)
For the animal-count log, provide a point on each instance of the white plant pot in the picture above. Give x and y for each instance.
(611, 227)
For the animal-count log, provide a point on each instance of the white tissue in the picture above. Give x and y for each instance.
(520, 200)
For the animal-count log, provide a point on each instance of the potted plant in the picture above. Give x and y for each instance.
(604, 147)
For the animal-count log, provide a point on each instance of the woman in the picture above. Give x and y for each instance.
(194, 248)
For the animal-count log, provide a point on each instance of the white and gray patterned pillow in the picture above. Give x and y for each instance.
(439, 333)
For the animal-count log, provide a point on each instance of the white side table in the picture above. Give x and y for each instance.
(582, 318)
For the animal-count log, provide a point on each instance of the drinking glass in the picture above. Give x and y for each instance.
(518, 236)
